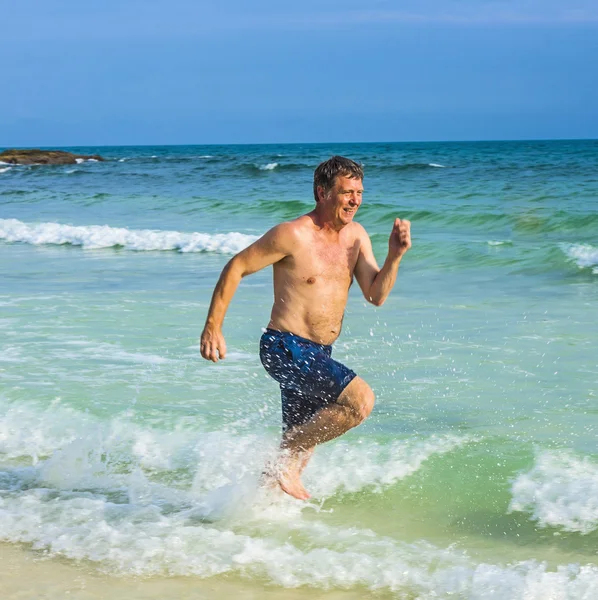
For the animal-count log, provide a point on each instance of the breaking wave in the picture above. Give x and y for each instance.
(584, 255)
(561, 490)
(104, 236)
(87, 489)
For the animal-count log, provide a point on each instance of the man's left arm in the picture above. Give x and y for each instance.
(376, 283)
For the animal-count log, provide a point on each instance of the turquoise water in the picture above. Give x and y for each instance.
(476, 475)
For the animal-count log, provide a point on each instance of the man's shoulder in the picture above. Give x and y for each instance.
(296, 228)
(286, 235)
(292, 228)
(357, 230)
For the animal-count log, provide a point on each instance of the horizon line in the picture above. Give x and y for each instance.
(440, 141)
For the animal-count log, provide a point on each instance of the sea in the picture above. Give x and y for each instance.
(130, 467)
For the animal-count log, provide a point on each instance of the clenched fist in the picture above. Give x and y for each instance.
(212, 345)
(400, 238)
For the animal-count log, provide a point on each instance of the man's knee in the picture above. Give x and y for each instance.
(366, 402)
(359, 397)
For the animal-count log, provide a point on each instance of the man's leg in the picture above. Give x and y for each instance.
(351, 408)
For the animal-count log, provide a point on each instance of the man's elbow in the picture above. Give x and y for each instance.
(236, 268)
(375, 301)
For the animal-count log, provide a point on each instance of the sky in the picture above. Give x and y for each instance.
(128, 72)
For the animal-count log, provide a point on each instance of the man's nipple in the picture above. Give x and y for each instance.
(311, 280)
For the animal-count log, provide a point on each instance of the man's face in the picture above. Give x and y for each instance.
(343, 199)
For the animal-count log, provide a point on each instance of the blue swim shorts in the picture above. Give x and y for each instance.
(309, 378)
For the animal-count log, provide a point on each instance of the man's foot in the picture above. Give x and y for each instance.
(286, 473)
(291, 484)
(292, 465)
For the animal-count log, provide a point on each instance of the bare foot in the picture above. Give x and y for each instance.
(289, 474)
(293, 486)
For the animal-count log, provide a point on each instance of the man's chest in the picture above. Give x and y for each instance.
(326, 263)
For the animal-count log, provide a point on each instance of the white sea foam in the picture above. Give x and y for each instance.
(27, 431)
(436, 165)
(217, 457)
(95, 496)
(584, 255)
(104, 236)
(142, 539)
(561, 490)
(347, 467)
(269, 167)
(5, 169)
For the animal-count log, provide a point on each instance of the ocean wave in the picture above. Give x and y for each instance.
(32, 432)
(261, 169)
(348, 468)
(143, 540)
(561, 490)
(104, 236)
(5, 169)
(28, 430)
(584, 255)
(69, 451)
(287, 209)
(405, 167)
(500, 243)
(487, 220)
(97, 492)
(153, 159)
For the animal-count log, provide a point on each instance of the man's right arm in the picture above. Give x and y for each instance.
(272, 247)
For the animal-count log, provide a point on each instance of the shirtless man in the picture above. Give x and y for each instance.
(314, 258)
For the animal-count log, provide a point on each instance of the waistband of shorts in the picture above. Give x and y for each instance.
(297, 337)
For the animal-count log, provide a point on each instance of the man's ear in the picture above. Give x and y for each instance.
(321, 193)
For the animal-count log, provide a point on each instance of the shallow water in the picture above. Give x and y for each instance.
(124, 454)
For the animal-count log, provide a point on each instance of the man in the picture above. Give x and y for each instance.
(314, 258)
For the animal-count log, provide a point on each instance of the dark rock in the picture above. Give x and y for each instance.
(43, 157)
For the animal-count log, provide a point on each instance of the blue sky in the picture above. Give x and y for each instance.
(259, 71)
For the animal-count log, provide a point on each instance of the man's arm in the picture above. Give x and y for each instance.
(269, 249)
(376, 283)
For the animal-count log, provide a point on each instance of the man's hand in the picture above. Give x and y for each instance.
(400, 238)
(212, 345)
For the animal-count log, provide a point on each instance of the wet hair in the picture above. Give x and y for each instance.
(326, 173)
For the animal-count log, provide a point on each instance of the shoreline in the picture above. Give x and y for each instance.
(28, 574)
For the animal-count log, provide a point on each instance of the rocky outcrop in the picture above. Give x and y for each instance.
(44, 157)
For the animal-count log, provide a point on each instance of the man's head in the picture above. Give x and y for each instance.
(327, 172)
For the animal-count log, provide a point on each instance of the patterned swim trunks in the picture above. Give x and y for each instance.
(309, 378)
